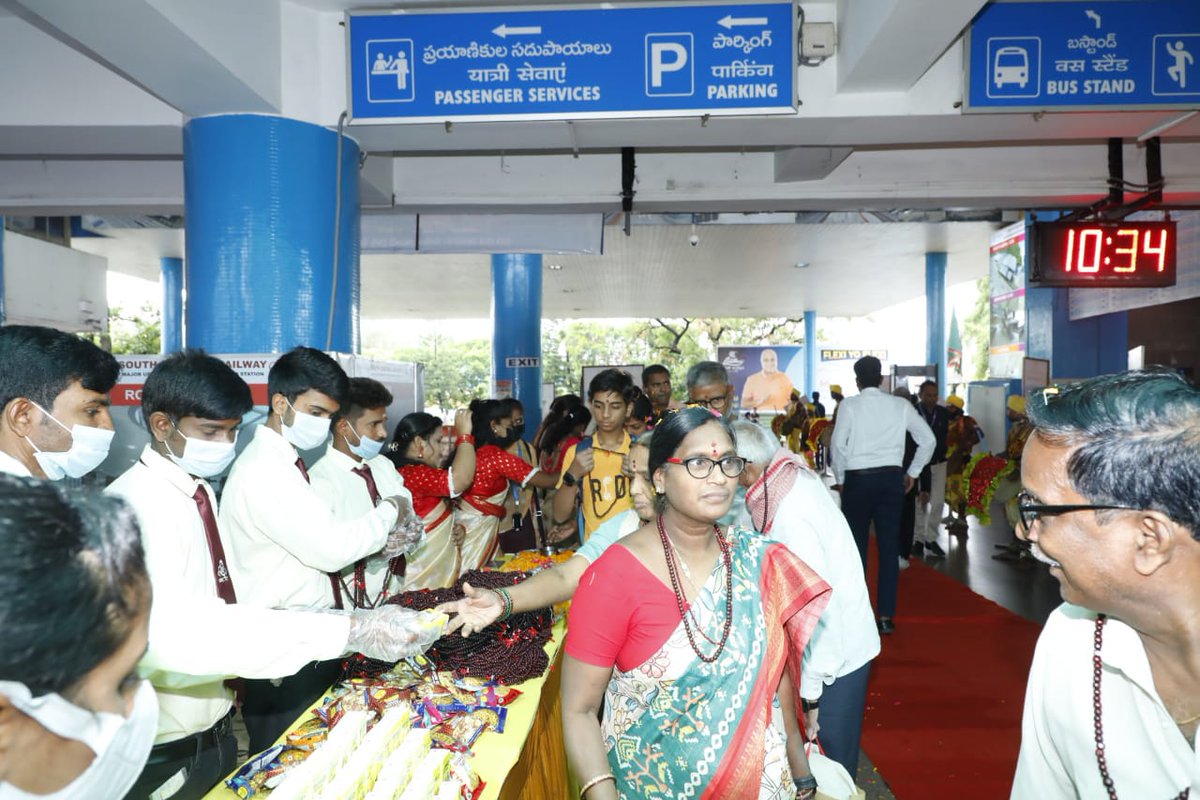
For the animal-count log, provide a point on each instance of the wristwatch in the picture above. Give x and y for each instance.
(568, 479)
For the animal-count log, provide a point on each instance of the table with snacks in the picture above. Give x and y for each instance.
(427, 727)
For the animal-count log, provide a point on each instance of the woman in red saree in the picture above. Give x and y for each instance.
(690, 637)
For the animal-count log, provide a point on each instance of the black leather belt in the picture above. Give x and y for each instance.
(191, 745)
(872, 470)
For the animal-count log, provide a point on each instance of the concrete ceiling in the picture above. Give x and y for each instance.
(96, 94)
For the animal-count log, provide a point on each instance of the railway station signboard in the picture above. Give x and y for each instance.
(1118, 54)
(571, 63)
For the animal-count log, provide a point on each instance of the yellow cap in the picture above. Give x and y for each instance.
(1016, 404)
(956, 401)
(835, 388)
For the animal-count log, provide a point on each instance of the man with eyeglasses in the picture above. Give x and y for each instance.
(1111, 503)
(867, 450)
(708, 386)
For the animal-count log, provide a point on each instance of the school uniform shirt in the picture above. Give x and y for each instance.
(196, 639)
(605, 490)
(869, 433)
(1147, 755)
(11, 466)
(282, 539)
(346, 493)
(810, 524)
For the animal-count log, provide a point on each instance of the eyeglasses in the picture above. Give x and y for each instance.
(712, 402)
(701, 467)
(1031, 512)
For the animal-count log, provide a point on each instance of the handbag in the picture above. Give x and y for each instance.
(527, 532)
(833, 781)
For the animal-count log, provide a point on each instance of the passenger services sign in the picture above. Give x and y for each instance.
(572, 63)
(1028, 56)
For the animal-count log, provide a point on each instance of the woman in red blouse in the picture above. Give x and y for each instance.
(416, 448)
(482, 505)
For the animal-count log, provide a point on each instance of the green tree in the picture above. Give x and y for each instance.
(131, 333)
(976, 334)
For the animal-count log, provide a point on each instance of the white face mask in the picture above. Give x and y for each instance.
(89, 448)
(366, 449)
(202, 458)
(121, 744)
(306, 431)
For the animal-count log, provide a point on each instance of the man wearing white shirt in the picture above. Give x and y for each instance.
(199, 635)
(789, 503)
(54, 390)
(282, 540)
(867, 449)
(1111, 502)
(353, 478)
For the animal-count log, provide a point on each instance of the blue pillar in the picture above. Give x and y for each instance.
(517, 330)
(272, 235)
(810, 352)
(172, 305)
(1076, 348)
(935, 315)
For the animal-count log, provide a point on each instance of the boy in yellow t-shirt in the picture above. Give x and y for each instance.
(596, 465)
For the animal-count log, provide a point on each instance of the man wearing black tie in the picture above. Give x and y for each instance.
(200, 635)
(285, 545)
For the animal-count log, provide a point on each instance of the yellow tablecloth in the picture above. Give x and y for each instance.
(528, 760)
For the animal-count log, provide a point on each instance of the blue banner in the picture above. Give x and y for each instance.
(1111, 54)
(572, 63)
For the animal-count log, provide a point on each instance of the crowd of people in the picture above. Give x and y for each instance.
(720, 617)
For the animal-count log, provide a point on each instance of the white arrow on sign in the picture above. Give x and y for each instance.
(729, 21)
(504, 30)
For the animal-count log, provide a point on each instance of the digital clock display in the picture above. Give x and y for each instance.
(1108, 254)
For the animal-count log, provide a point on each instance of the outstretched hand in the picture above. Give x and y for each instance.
(478, 609)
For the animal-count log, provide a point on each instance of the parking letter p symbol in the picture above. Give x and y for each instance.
(665, 57)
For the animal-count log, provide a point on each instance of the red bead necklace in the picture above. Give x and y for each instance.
(672, 569)
(1097, 712)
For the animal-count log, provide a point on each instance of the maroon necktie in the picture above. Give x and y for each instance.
(215, 549)
(303, 469)
(398, 565)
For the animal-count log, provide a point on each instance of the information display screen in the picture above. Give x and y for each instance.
(1102, 253)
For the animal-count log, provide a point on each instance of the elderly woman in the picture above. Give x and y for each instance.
(682, 632)
(417, 454)
(75, 720)
(482, 607)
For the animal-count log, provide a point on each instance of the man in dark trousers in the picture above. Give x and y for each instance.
(932, 491)
(868, 450)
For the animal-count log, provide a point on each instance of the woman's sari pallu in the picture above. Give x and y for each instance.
(676, 727)
(435, 564)
(481, 516)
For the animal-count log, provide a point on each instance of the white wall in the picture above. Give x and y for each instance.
(46, 284)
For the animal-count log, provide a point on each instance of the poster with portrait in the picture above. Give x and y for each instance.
(763, 376)
(1006, 353)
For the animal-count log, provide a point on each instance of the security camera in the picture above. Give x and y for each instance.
(694, 240)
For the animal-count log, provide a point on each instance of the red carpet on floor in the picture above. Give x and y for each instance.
(943, 717)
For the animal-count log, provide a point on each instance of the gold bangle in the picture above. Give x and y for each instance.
(608, 776)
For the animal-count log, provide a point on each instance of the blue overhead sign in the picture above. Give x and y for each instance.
(572, 63)
(1024, 56)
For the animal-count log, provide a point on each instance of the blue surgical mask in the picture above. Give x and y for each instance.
(89, 448)
(366, 449)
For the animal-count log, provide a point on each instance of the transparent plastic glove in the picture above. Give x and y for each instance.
(406, 534)
(390, 632)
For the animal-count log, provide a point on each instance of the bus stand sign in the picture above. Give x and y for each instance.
(572, 63)
(1118, 54)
